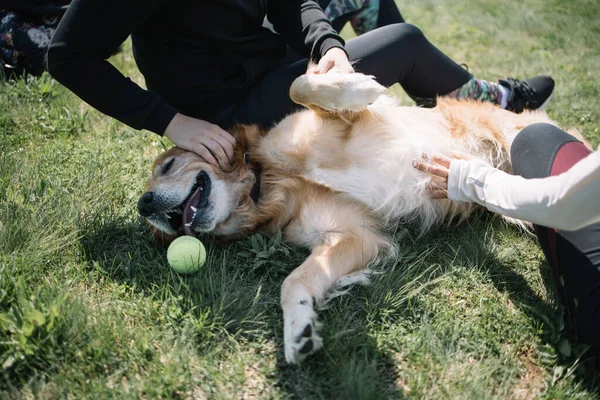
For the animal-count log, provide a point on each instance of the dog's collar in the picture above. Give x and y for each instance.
(254, 167)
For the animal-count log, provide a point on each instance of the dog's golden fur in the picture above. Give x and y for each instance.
(332, 177)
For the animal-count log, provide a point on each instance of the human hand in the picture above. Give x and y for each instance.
(203, 138)
(335, 60)
(438, 167)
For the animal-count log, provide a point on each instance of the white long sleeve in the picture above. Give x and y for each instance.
(568, 201)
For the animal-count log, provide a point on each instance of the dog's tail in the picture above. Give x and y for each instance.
(336, 92)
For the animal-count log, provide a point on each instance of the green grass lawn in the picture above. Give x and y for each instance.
(90, 309)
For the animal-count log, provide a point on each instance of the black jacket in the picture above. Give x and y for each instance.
(197, 56)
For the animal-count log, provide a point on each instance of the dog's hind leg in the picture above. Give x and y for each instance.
(335, 92)
(343, 242)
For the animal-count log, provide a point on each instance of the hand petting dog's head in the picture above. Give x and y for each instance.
(186, 194)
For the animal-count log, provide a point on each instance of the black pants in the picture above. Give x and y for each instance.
(542, 150)
(397, 53)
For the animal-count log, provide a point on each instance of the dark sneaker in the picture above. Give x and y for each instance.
(529, 94)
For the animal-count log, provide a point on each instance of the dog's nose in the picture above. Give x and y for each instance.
(145, 207)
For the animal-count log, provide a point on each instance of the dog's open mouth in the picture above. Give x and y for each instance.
(190, 212)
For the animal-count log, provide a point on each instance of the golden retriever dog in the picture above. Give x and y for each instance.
(332, 178)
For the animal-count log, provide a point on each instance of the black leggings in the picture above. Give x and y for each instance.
(397, 53)
(542, 150)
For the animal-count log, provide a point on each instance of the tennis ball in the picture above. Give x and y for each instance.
(186, 254)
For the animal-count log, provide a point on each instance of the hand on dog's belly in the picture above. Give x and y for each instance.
(390, 192)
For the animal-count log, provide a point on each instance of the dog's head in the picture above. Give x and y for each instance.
(185, 194)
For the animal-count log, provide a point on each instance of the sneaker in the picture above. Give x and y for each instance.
(529, 94)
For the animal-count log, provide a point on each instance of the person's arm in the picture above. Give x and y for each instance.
(89, 33)
(304, 27)
(86, 37)
(568, 201)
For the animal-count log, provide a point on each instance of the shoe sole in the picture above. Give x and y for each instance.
(545, 103)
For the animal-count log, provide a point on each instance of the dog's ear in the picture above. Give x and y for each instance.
(247, 135)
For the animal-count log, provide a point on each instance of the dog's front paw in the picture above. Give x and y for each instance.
(300, 332)
(336, 92)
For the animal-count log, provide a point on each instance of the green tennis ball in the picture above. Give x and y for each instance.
(186, 254)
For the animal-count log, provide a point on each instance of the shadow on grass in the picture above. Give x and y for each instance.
(356, 361)
(353, 367)
(564, 352)
(244, 301)
(236, 297)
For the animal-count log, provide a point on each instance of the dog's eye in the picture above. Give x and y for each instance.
(167, 166)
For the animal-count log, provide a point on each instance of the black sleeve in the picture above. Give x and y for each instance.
(304, 26)
(89, 33)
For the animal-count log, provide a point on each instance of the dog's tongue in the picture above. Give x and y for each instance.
(188, 213)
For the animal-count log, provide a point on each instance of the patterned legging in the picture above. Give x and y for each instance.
(363, 15)
(24, 39)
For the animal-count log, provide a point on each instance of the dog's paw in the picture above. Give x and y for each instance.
(336, 92)
(358, 91)
(300, 332)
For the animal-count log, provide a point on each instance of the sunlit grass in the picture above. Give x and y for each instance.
(89, 308)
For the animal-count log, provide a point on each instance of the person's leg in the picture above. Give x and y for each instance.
(542, 150)
(400, 53)
(397, 53)
(393, 54)
(269, 102)
(388, 13)
(338, 14)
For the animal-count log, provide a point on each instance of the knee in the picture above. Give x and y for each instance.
(536, 144)
(403, 39)
(400, 34)
(404, 31)
(529, 136)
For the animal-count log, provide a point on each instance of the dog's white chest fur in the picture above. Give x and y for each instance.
(373, 166)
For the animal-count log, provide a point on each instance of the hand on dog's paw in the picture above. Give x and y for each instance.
(300, 330)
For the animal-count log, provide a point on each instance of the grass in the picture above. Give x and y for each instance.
(89, 308)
